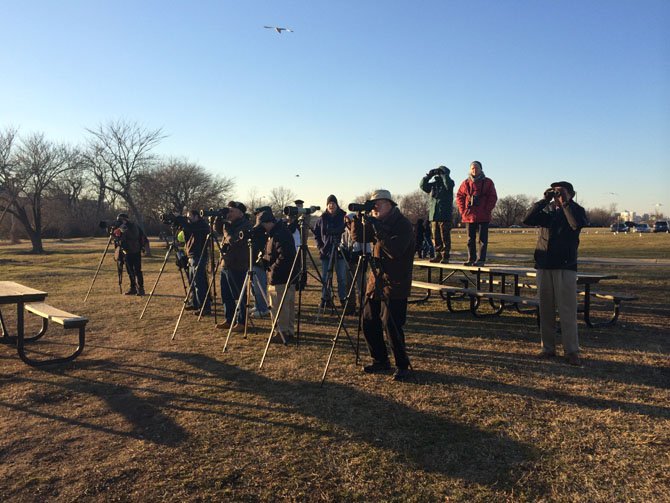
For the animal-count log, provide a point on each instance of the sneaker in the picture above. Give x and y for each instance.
(140, 292)
(401, 375)
(132, 291)
(573, 359)
(545, 355)
(224, 326)
(377, 367)
(436, 258)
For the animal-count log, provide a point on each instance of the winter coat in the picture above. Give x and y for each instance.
(131, 238)
(558, 239)
(393, 248)
(279, 254)
(236, 252)
(441, 190)
(195, 234)
(328, 232)
(483, 193)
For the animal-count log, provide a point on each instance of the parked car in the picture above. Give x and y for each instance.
(661, 226)
(642, 228)
(619, 227)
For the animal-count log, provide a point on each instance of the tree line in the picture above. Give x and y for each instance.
(55, 190)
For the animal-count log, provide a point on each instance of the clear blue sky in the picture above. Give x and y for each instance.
(363, 94)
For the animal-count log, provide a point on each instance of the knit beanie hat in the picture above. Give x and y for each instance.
(332, 199)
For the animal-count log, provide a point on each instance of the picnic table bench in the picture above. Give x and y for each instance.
(32, 301)
(478, 282)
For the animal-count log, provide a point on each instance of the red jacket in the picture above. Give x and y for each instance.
(485, 200)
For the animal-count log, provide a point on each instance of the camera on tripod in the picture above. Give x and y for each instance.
(171, 219)
(262, 209)
(293, 211)
(110, 226)
(220, 213)
(253, 233)
(366, 207)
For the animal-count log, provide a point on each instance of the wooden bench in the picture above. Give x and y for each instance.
(451, 293)
(49, 313)
(615, 298)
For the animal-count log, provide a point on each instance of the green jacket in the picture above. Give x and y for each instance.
(441, 190)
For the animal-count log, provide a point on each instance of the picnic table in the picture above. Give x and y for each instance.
(494, 282)
(30, 300)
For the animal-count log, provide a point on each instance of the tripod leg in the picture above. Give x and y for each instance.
(237, 309)
(151, 294)
(109, 242)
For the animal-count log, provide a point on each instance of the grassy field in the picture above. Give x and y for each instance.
(141, 418)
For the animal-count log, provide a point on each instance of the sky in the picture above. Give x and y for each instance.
(363, 94)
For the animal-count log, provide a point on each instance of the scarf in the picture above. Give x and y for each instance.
(481, 176)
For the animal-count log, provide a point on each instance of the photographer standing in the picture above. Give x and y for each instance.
(387, 293)
(278, 258)
(328, 234)
(476, 199)
(131, 241)
(440, 210)
(235, 256)
(560, 220)
(195, 231)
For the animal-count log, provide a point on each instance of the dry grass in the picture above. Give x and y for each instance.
(138, 417)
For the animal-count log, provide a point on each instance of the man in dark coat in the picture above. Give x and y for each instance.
(440, 186)
(130, 241)
(235, 257)
(389, 283)
(195, 231)
(328, 232)
(278, 258)
(560, 220)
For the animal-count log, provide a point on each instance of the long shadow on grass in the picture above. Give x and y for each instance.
(423, 440)
(145, 415)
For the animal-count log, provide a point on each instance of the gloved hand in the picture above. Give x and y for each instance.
(549, 194)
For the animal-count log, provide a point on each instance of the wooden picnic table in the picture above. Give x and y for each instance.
(485, 278)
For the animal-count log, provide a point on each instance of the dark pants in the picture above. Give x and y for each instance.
(231, 283)
(442, 233)
(134, 269)
(375, 317)
(483, 229)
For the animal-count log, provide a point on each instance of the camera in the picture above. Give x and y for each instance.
(171, 219)
(262, 209)
(365, 207)
(253, 233)
(110, 226)
(221, 212)
(292, 211)
(473, 200)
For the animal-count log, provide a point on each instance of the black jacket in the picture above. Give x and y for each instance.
(558, 240)
(279, 254)
(195, 235)
(328, 232)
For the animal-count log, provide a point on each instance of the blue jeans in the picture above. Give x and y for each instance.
(231, 283)
(260, 285)
(200, 286)
(340, 271)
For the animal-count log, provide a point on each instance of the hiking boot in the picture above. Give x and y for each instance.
(132, 291)
(436, 258)
(377, 367)
(573, 359)
(401, 375)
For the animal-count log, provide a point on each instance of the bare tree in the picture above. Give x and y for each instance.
(414, 205)
(178, 184)
(510, 210)
(254, 200)
(27, 176)
(119, 154)
(280, 197)
(600, 217)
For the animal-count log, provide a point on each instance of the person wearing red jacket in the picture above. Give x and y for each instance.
(476, 199)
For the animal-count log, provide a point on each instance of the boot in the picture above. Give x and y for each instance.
(132, 291)
(140, 292)
(436, 258)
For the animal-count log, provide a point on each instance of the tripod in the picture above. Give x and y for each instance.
(209, 248)
(247, 287)
(172, 247)
(377, 273)
(119, 266)
(303, 253)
